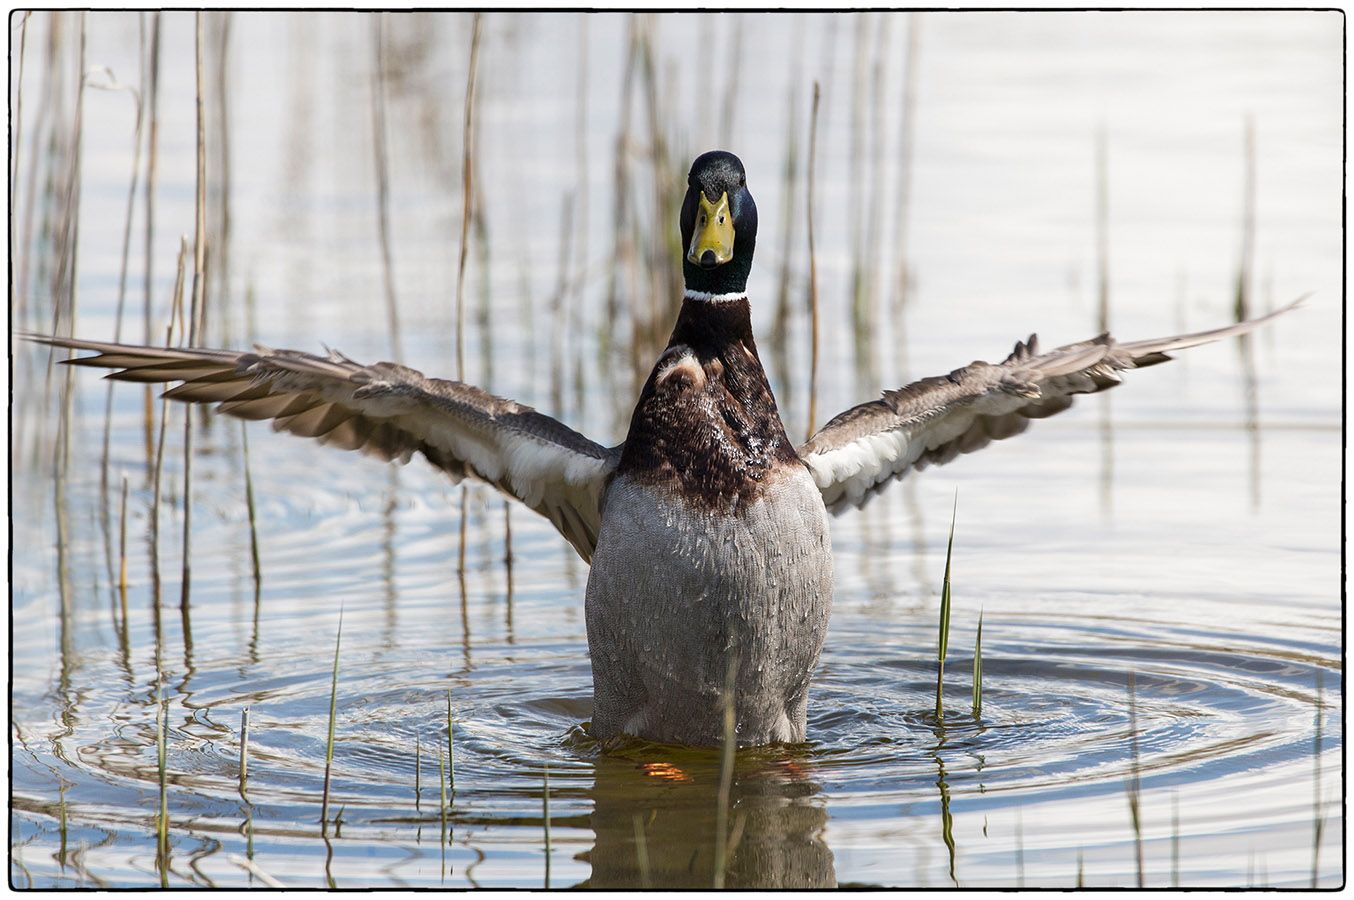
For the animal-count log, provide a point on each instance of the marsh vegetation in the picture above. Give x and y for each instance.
(239, 658)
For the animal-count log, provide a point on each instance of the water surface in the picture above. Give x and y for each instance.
(1181, 533)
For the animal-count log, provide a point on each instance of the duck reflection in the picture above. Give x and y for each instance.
(654, 813)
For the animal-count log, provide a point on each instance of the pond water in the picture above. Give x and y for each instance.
(1180, 536)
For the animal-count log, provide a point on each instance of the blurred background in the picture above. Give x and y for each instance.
(498, 195)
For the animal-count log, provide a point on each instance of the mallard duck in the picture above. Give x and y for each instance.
(707, 529)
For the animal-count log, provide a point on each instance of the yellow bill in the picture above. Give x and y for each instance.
(713, 234)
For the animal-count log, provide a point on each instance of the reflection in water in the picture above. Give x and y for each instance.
(388, 555)
(946, 817)
(1106, 458)
(507, 570)
(674, 795)
(1251, 392)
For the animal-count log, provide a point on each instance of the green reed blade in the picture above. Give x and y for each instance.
(333, 708)
(978, 670)
(451, 759)
(244, 750)
(944, 643)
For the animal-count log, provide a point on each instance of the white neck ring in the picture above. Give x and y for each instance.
(703, 297)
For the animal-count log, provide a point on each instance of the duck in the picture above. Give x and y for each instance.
(707, 529)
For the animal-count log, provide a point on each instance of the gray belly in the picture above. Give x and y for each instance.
(675, 590)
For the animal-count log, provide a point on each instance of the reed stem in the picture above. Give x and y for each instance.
(122, 284)
(162, 820)
(467, 193)
(250, 508)
(175, 315)
(329, 744)
(943, 644)
(196, 315)
(18, 121)
(725, 772)
(813, 269)
(451, 759)
(1318, 820)
(152, 143)
(244, 751)
(1134, 783)
(978, 670)
(1246, 266)
(545, 817)
(378, 130)
(1102, 229)
(641, 851)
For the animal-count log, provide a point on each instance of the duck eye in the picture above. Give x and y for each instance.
(721, 219)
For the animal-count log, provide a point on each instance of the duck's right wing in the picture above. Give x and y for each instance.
(390, 411)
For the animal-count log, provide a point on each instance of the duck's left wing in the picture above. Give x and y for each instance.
(936, 419)
(389, 411)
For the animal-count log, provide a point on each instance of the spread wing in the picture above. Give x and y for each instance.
(936, 419)
(389, 411)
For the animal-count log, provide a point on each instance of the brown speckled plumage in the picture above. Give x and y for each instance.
(706, 425)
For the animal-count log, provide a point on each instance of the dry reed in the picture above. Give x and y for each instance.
(378, 132)
(906, 131)
(252, 514)
(467, 212)
(196, 314)
(122, 277)
(1102, 229)
(152, 144)
(813, 271)
(1246, 264)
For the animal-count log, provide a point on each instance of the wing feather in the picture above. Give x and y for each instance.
(389, 411)
(934, 420)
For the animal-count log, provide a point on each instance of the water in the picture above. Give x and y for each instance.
(1182, 532)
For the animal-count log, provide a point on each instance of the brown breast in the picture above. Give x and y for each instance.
(706, 426)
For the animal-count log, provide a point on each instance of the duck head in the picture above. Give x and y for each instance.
(719, 225)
